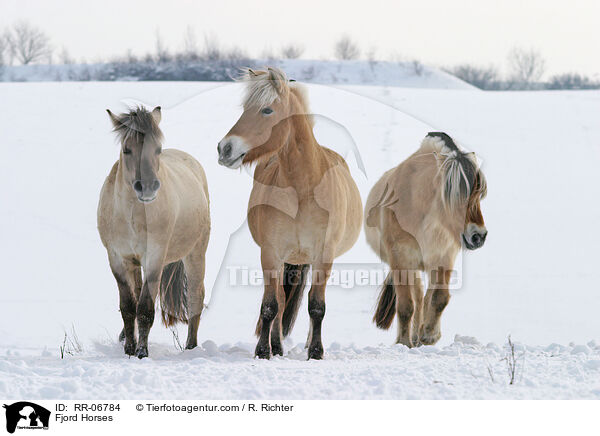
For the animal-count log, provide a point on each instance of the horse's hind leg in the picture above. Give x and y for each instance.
(194, 269)
(276, 328)
(316, 308)
(436, 300)
(405, 308)
(125, 275)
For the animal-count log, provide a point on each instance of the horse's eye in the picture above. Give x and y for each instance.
(126, 151)
(267, 111)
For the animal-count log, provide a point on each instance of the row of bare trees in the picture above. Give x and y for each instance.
(24, 43)
(525, 70)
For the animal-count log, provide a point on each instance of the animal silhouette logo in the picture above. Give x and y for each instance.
(26, 415)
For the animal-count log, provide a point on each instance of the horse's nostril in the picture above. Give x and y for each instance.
(155, 185)
(227, 150)
(137, 185)
(476, 239)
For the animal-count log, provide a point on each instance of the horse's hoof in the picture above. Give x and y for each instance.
(130, 349)
(191, 346)
(430, 338)
(142, 352)
(277, 350)
(315, 352)
(263, 352)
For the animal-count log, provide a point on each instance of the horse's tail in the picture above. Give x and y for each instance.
(173, 294)
(294, 281)
(386, 305)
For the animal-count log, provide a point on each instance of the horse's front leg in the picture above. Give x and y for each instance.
(145, 305)
(436, 300)
(270, 307)
(125, 274)
(316, 307)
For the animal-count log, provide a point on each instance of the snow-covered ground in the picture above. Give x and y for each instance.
(534, 278)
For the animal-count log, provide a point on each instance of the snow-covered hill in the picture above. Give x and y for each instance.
(534, 278)
(382, 73)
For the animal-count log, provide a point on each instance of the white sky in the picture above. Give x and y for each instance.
(438, 32)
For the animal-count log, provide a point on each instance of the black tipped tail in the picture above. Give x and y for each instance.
(173, 294)
(293, 285)
(386, 305)
(294, 282)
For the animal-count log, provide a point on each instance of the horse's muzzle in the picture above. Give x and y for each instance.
(146, 190)
(475, 240)
(232, 151)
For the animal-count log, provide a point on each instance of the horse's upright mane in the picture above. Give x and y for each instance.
(263, 87)
(462, 176)
(137, 123)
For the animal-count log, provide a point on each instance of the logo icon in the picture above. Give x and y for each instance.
(26, 415)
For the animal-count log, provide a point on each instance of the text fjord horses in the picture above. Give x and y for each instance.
(154, 215)
(417, 216)
(304, 208)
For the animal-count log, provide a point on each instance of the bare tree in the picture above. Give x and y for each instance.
(527, 66)
(4, 48)
(418, 67)
(212, 47)
(65, 57)
(131, 58)
(235, 54)
(292, 51)
(267, 54)
(190, 44)
(28, 43)
(346, 49)
(371, 55)
(162, 52)
(481, 77)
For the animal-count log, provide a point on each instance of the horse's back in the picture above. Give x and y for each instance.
(407, 190)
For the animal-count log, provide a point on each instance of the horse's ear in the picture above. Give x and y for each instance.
(251, 73)
(113, 118)
(278, 79)
(156, 114)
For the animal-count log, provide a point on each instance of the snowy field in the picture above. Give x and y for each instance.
(534, 278)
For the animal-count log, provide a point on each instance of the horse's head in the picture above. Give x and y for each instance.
(269, 106)
(474, 232)
(463, 188)
(141, 145)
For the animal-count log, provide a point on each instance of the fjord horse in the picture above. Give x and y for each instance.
(304, 210)
(417, 217)
(153, 215)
